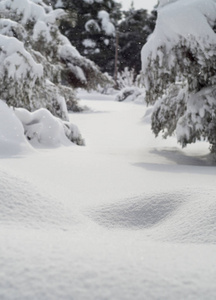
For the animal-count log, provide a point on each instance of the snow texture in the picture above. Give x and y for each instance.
(126, 217)
(19, 127)
(107, 26)
(12, 139)
(89, 43)
(178, 64)
(181, 19)
(42, 64)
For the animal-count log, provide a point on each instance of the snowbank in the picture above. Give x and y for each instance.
(42, 128)
(12, 139)
(19, 129)
(128, 218)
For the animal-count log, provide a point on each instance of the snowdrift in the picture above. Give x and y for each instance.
(124, 217)
(19, 129)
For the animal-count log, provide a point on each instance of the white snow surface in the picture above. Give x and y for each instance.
(42, 128)
(127, 216)
(19, 129)
(89, 43)
(12, 140)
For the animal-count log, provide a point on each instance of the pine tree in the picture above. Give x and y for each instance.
(38, 63)
(91, 29)
(134, 30)
(179, 67)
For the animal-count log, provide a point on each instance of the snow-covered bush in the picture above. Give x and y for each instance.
(130, 86)
(131, 94)
(42, 128)
(179, 66)
(126, 78)
(19, 129)
(37, 63)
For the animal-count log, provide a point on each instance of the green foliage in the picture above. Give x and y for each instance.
(85, 30)
(38, 65)
(180, 81)
(134, 30)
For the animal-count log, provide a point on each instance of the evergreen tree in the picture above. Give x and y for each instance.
(37, 62)
(179, 67)
(91, 29)
(134, 30)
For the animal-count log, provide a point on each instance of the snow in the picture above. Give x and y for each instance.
(127, 216)
(175, 61)
(40, 128)
(17, 60)
(107, 26)
(12, 140)
(59, 3)
(89, 43)
(92, 25)
(32, 10)
(189, 20)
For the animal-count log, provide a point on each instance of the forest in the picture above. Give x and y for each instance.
(107, 150)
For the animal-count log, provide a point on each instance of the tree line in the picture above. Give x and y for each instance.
(97, 28)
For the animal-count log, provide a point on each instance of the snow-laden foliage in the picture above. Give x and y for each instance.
(134, 29)
(19, 129)
(130, 85)
(107, 25)
(131, 94)
(127, 78)
(37, 63)
(42, 128)
(91, 29)
(179, 66)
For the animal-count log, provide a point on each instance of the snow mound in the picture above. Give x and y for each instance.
(23, 205)
(140, 212)
(12, 139)
(42, 128)
(193, 222)
(131, 94)
(184, 217)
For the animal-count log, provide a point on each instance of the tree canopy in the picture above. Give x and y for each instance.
(179, 67)
(39, 66)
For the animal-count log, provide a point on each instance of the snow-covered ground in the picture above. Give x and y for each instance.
(127, 216)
